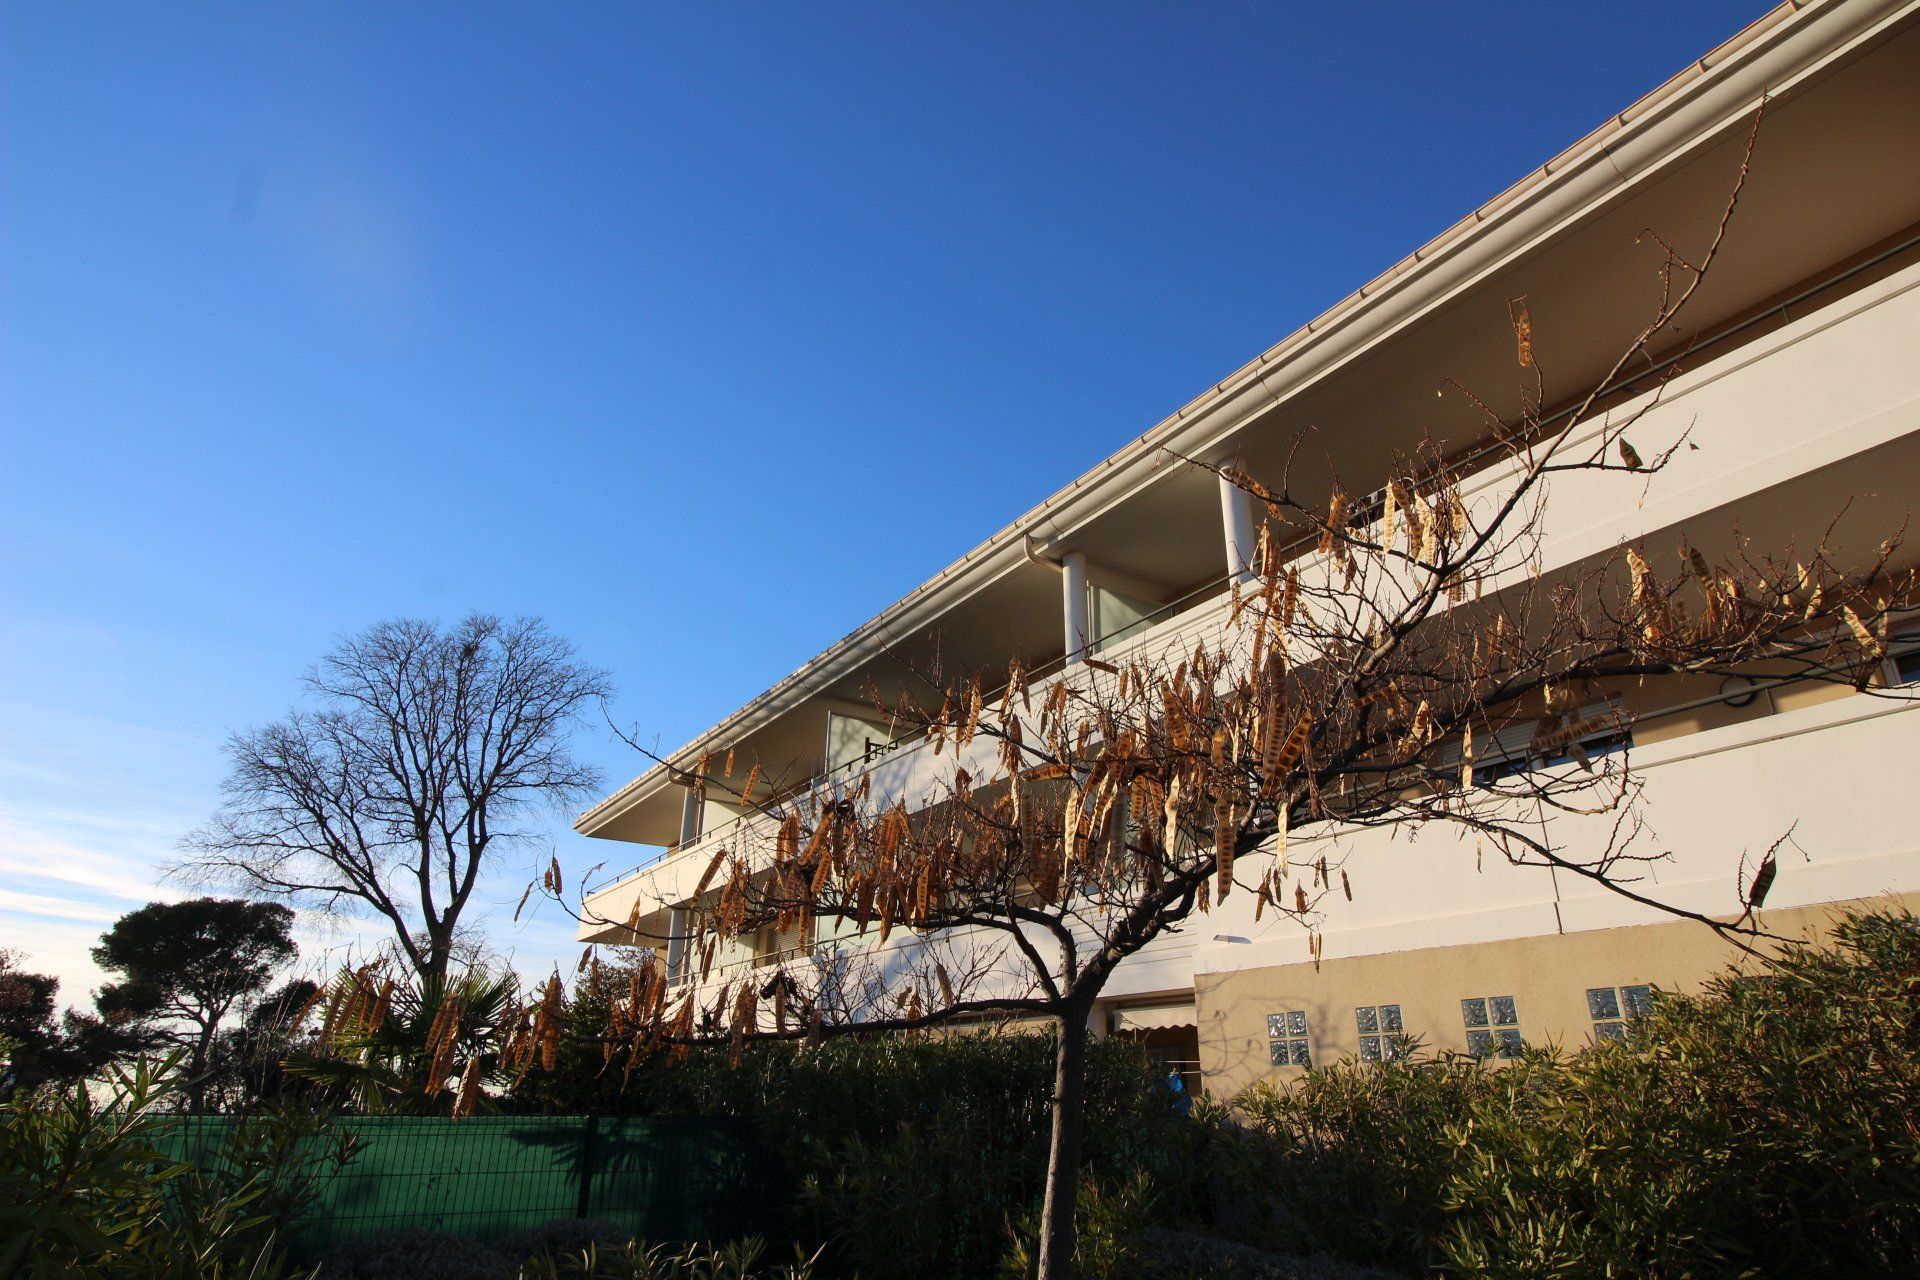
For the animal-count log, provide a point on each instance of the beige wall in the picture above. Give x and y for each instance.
(1548, 977)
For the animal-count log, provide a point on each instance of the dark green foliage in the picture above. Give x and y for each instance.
(183, 966)
(414, 1255)
(566, 1249)
(32, 1050)
(912, 1156)
(388, 1065)
(1353, 1159)
(637, 1260)
(1107, 1225)
(1762, 1128)
(89, 1189)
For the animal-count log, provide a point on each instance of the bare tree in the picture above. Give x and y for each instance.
(1388, 638)
(427, 753)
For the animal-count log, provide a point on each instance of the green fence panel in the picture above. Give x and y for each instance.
(487, 1177)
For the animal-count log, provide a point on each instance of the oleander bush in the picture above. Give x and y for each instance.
(1763, 1127)
(92, 1188)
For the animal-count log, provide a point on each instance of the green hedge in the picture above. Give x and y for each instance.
(1765, 1127)
(914, 1157)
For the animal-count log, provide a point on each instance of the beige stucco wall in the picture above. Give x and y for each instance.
(1548, 977)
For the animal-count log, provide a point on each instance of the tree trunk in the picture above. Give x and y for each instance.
(197, 1067)
(1063, 1152)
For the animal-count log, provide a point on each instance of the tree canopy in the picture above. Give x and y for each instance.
(427, 751)
(183, 966)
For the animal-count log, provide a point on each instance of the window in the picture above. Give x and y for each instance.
(1903, 664)
(1381, 1035)
(1598, 732)
(1493, 1026)
(1287, 1039)
(1612, 1007)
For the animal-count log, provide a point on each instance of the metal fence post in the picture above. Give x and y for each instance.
(589, 1142)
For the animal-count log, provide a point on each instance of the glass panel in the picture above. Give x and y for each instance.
(1369, 1019)
(1608, 1030)
(1475, 1012)
(1296, 1023)
(1301, 1058)
(1277, 1053)
(1370, 1048)
(1602, 1003)
(1390, 1018)
(1276, 1024)
(1509, 1043)
(1391, 1047)
(1503, 1011)
(1480, 1043)
(1638, 999)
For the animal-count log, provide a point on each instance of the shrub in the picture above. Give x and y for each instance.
(912, 1155)
(1107, 1225)
(564, 1237)
(739, 1260)
(414, 1255)
(1763, 1127)
(87, 1189)
(1354, 1159)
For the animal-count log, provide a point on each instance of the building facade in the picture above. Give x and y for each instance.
(1796, 384)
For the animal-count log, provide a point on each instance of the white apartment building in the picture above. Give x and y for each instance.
(1801, 389)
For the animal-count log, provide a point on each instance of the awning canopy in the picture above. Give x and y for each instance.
(1155, 1017)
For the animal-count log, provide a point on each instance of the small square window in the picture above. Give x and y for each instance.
(1287, 1043)
(1613, 1007)
(1493, 1024)
(1379, 1027)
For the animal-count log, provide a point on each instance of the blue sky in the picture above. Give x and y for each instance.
(704, 331)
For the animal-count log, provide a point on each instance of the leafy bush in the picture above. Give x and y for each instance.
(87, 1189)
(1762, 1128)
(912, 1155)
(635, 1260)
(1354, 1159)
(414, 1254)
(564, 1237)
(1107, 1225)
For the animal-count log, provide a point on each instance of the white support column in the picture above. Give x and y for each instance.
(1236, 524)
(689, 815)
(1073, 603)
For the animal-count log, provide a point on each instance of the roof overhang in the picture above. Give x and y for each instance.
(1670, 133)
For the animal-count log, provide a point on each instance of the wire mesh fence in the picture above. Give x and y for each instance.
(487, 1177)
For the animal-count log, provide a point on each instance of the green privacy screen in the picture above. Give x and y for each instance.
(489, 1176)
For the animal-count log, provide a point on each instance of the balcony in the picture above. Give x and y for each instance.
(1798, 414)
